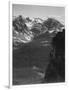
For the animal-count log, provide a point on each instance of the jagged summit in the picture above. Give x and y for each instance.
(38, 20)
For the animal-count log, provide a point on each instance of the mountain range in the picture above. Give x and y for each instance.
(26, 30)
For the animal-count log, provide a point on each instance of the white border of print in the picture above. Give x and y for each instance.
(10, 34)
(10, 47)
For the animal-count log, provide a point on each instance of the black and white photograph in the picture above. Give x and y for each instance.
(38, 44)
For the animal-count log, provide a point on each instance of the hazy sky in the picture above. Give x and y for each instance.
(38, 11)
